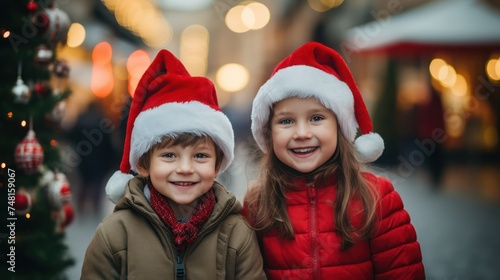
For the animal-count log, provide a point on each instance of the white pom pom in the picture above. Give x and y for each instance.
(115, 188)
(369, 147)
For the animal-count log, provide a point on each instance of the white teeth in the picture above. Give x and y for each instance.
(183, 183)
(304, 150)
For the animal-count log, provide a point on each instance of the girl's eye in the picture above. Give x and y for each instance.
(285, 121)
(317, 118)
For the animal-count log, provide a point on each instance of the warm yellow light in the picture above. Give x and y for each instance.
(194, 49)
(232, 77)
(454, 125)
(157, 33)
(3, 165)
(111, 4)
(493, 69)
(460, 86)
(248, 17)
(28, 215)
(10, 115)
(435, 66)
(255, 15)
(6, 34)
(23, 123)
(143, 19)
(76, 35)
(497, 68)
(234, 19)
(324, 5)
(447, 76)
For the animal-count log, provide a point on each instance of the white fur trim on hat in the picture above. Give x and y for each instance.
(152, 125)
(369, 147)
(303, 81)
(115, 188)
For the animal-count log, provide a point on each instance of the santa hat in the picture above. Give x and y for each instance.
(169, 101)
(315, 70)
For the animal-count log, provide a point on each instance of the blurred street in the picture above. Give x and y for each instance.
(457, 226)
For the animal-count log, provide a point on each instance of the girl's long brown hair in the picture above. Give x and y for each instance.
(265, 199)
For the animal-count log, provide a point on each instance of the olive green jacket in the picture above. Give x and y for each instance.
(133, 243)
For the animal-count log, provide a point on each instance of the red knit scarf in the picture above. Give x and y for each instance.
(184, 234)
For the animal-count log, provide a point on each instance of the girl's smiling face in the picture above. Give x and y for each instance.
(304, 133)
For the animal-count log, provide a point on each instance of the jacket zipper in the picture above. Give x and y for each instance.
(179, 255)
(314, 233)
(180, 269)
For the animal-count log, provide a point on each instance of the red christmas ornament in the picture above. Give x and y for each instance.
(32, 7)
(68, 215)
(59, 192)
(29, 153)
(40, 89)
(22, 202)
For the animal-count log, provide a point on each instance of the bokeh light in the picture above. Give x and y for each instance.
(324, 5)
(76, 35)
(234, 20)
(137, 63)
(232, 77)
(194, 49)
(102, 80)
(493, 69)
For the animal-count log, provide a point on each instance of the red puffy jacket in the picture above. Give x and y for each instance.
(392, 253)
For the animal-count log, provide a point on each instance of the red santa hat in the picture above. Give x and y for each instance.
(315, 70)
(169, 101)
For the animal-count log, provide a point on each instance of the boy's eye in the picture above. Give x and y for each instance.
(168, 155)
(201, 156)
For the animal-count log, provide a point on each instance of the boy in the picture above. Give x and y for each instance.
(173, 221)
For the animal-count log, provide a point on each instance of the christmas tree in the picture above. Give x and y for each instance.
(34, 193)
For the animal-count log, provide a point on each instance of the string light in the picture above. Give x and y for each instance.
(10, 115)
(3, 165)
(53, 143)
(23, 123)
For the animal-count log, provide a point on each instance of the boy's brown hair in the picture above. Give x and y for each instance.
(184, 140)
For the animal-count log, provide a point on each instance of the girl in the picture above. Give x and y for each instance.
(317, 215)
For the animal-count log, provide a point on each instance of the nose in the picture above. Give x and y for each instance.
(185, 166)
(302, 131)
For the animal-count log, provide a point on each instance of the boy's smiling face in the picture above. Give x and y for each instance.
(183, 174)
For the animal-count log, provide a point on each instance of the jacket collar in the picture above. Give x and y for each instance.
(134, 198)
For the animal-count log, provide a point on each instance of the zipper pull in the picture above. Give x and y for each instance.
(180, 270)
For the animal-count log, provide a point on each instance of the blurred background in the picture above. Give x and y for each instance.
(429, 72)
